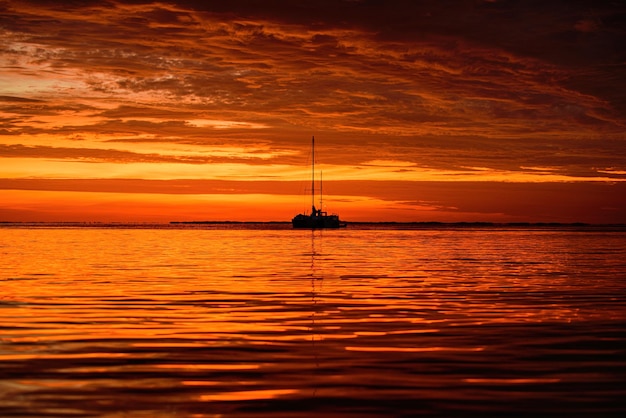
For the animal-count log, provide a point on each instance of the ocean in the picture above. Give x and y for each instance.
(265, 321)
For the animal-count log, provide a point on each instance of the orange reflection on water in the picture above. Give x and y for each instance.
(247, 395)
(46, 355)
(413, 349)
(512, 381)
(168, 344)
(208, 366)
(161, 318)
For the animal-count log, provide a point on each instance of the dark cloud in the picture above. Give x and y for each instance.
(266, 56)
(98, 155)
(87, 155)
(20, 100)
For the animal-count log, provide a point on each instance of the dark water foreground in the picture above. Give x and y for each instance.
(127, 322)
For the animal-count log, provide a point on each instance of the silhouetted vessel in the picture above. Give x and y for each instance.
(317, 219)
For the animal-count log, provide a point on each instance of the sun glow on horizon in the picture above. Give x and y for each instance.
(26, 205)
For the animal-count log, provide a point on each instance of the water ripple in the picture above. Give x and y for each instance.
(266, 323)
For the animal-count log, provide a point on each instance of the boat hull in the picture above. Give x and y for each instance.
(317, 222)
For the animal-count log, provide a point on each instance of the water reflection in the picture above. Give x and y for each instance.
(309, 323)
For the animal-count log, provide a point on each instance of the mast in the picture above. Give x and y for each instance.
(321, 193)
(312, 173)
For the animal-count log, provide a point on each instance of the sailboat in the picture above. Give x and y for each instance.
(317, 219)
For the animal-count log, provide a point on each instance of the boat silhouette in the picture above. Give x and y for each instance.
(317, 219)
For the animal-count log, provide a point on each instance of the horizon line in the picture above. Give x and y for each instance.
(391, 223)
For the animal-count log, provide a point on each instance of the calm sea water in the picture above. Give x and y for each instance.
(206, 322)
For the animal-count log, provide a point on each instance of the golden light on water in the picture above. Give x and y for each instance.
(140, 319)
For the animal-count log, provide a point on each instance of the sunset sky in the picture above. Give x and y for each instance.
(499, 110)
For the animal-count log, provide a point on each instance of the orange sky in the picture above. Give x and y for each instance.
(422, 111)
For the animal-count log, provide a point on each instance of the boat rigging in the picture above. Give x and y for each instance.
(317, 219)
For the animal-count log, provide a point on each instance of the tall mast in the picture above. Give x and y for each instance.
(321, 193)
(312, 173)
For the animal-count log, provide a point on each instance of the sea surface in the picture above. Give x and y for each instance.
(265, 321)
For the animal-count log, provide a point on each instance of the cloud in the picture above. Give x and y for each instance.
(213, 155)
(439, 86)
(21, 100)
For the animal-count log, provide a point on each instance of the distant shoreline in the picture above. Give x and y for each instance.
(355, 225)
(426, 224)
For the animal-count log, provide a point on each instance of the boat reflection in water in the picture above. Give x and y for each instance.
(317, 219)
